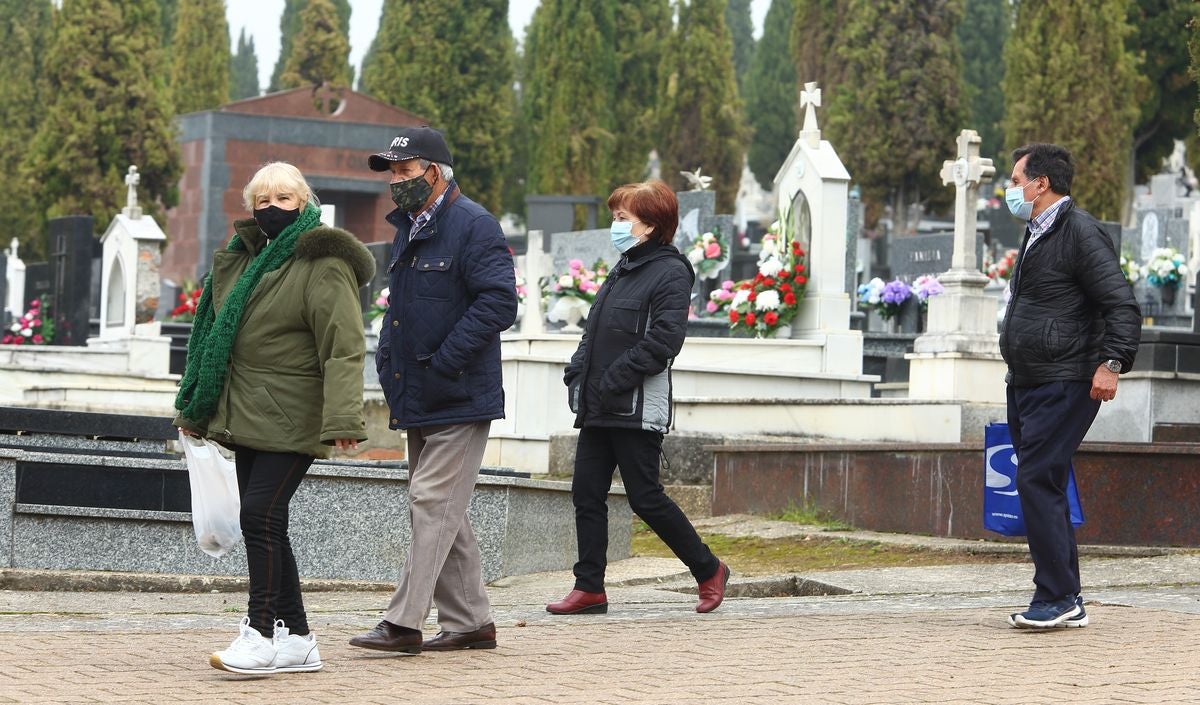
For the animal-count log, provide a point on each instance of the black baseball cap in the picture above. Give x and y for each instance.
(422, 142)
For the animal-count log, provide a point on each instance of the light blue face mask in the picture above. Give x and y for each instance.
(1014, 197)
(621, 232)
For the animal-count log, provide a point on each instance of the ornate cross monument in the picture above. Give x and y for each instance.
(959, 357)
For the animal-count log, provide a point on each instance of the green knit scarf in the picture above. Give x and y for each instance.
(212, 337)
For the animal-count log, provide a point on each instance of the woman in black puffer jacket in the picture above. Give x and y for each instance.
(619, 386)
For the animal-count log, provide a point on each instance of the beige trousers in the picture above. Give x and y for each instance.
(443, 562)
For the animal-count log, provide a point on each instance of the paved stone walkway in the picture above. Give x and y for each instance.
(934, 635)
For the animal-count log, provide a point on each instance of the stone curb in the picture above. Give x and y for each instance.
(100, 581)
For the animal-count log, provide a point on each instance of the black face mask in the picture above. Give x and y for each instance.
(273, 220)
(411, 194)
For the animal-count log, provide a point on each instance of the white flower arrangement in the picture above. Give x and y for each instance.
(1166, 268)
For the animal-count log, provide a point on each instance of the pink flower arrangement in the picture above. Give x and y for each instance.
(34, 328)
(579, 281)
(708, 254)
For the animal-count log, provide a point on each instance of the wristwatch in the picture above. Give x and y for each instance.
(1113, 365)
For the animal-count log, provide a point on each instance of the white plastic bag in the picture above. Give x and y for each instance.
(216, 505)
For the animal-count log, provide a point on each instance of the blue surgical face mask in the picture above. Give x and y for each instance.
(1014, 197)
(621, 232)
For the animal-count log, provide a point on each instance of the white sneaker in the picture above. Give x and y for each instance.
(250, 653)
(295, 653)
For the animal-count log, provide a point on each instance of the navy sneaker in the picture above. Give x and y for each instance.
(1046, 615)
(1079, 620)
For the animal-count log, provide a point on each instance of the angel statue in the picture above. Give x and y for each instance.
(696, 181)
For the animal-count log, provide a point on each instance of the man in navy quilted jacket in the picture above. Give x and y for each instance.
(452, 292)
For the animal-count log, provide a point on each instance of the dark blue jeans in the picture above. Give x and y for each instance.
(636, 453)
(1047, 424)
(266, 482)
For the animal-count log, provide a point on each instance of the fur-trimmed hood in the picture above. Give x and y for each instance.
(324, 241)
(321, 241)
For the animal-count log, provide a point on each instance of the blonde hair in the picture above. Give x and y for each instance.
(278, 177)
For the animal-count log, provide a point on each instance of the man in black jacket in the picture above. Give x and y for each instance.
(1070, 328)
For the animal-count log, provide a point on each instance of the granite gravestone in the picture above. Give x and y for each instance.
(39, 281)
(73, 247)
(556, 214)
(588, 246)
(913, 256)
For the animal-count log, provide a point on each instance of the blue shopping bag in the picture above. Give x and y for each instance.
(1001, 505)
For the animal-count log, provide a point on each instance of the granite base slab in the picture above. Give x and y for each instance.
(348, 521)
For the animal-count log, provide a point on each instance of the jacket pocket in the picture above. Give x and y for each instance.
(440, 391)
(434, 278)
(264, 403)
(383, 365)
(620, 403)
(625, 315)
(1060, 338)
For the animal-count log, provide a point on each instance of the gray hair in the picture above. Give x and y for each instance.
(445, 170)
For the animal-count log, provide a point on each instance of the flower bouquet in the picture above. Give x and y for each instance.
(925, 286)
(718, 299)
(709, 255)
(1130, 269)
(1003, 270)
(769, 301)
(573, 293)
(189, 298)
(885, 299)
(1166, 268)
(36, 327)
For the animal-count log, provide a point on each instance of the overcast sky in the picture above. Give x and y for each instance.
(261, 20)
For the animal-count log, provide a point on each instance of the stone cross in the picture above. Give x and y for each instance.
(810, 100)
(966, 173)
(131, 205)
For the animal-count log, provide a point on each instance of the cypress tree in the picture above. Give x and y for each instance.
(816, 33)
(638, 67)
(1168, 95)
(200, 75)
(320, 52)
(981, 37)
(26, 29)
(1194, 70)
(771, 97)
(741, 28)
(701, 114)
(1076, 89)
(107, 109)
(243, 69)
(896, 123)
(168, 11)
(569, 98)
(290, 24)
(421, 41)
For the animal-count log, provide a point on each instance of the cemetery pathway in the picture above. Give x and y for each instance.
(933, 634)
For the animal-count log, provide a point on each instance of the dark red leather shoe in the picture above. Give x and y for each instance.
(712, 591)
(580, 602)
(482, 638)
(389, 637)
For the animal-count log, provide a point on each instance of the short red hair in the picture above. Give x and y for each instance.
(653, 202)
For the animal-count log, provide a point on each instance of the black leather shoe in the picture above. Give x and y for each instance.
(482, 638)
(389, 637)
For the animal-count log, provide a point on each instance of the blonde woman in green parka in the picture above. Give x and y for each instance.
(274, 372)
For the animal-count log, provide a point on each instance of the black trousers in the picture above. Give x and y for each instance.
(266, 482)
(636, 453)
(1047, 424)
